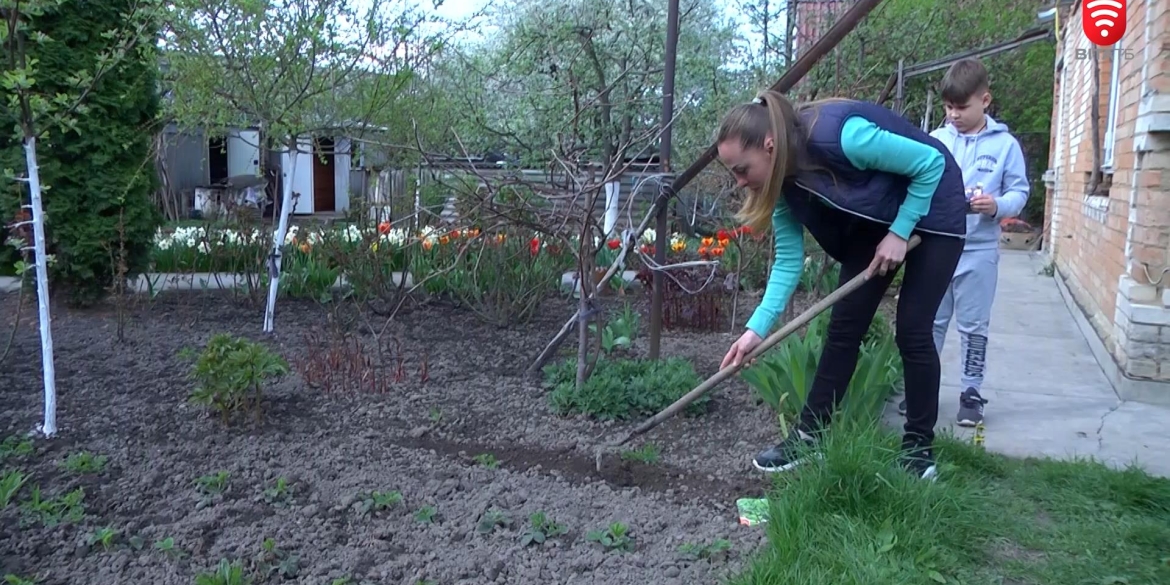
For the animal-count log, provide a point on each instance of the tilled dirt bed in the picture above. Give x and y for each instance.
(128, 401)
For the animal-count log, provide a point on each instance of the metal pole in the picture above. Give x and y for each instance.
(660, 226)
(926, 116)
(899, 96)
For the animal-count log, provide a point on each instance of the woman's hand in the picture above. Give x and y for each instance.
(741, 348)
(890, 253)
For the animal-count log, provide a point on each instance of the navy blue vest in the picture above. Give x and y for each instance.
(872, 195)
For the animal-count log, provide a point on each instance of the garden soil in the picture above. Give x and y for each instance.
(461, 394)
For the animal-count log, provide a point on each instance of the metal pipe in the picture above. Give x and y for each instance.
(660, 225)
(900, 90)
(1035, 35)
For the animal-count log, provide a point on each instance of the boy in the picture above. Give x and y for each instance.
(997, 187)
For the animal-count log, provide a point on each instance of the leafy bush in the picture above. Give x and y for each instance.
(228, 369)
(784, 376)
(624, 388)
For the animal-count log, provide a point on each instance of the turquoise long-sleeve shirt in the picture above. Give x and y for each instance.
(868, 147)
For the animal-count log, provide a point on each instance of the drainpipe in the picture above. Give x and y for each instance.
(1095, 122)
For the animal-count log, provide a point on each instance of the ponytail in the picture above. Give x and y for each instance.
(770, 114)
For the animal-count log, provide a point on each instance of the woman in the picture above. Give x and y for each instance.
(861, 179)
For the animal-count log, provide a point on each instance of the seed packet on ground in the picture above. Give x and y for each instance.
(752, 511)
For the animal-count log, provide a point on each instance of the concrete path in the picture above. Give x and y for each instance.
(1047, 394)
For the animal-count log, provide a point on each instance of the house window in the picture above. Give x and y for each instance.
(1111, 117)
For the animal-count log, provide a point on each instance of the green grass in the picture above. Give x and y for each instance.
(854, 518)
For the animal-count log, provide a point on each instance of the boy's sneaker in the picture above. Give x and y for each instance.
(918, 459)
(971, 408)
(788, 454)
(902, 407)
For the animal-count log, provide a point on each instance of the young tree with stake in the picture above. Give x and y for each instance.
(292, 69)
(37, 113)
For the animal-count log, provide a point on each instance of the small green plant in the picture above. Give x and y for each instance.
(84, 463)
(618, 333)
(492, 519)
(487, 460)
(103, 537)
(621, 388)
(226, 573)
(647, 454)
(213, 485)
(435, 415)
(342, 581)
(717, 550)
(540, 529)
(615, 537)
(280, 494)
(15, 447)
(168, 548)
(426, 514)
(378, 501)
(272, 560)
(11, 579)
(229, 369)
(10, 485)
(50, 513)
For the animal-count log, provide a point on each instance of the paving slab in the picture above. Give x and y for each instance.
(1048, 396)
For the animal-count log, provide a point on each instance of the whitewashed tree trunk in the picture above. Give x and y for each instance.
(49, 425)
(613, 191)
(274, 261)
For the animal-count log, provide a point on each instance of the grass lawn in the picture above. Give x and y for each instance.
(853, 518)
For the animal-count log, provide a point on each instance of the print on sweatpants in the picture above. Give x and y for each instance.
(974, 286)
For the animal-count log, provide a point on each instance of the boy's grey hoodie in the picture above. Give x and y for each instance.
(994, 159)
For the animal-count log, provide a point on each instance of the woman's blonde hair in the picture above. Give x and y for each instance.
(769, 114)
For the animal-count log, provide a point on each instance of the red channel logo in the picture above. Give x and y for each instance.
(1103, 21)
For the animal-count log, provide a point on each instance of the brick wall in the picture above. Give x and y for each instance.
(813, 19)
(1111, 246)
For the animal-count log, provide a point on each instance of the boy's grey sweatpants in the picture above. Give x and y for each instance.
(969, 300)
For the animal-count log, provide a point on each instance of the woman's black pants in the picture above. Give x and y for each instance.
(927, 274)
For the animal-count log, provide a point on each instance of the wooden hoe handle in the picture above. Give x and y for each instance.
(769, 342)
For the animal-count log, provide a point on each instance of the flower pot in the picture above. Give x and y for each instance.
(1029, 241)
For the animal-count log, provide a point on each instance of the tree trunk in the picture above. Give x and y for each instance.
(274, 260)
(49, 426)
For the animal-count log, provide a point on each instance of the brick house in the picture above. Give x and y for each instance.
(1110, 245)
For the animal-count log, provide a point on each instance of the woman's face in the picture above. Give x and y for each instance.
(751, 166)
